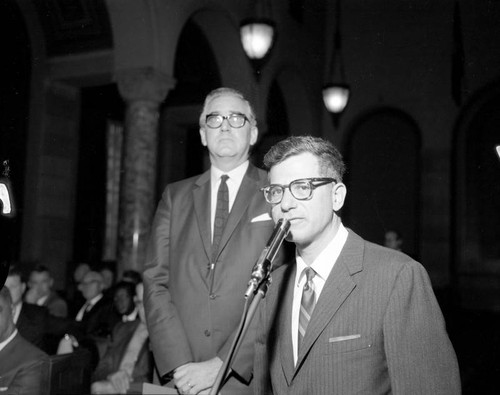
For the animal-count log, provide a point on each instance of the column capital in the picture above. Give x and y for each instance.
(144, 84)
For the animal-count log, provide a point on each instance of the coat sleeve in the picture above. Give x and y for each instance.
(262, 380)
(169, 342)
(420, 356)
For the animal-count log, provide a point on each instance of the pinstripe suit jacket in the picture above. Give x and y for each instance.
(376, 329)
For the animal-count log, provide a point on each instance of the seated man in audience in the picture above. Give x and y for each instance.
(128, 358)
(123, 300)
(107, 270)
(34, 322)
(21, 363)
(97, 315)
(41, 293)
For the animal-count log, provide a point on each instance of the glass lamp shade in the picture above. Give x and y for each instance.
(335, 97)
(497, 149)
(257, 35)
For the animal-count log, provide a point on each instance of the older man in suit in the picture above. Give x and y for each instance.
(207, 234)
(21, 363)
(349, 317)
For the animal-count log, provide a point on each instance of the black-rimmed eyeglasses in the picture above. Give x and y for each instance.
(301, 189)
(235, 120)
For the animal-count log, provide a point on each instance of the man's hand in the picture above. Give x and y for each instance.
(120, 380)
(193, 378)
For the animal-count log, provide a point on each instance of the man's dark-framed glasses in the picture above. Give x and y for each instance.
(301, 189)
(235, 120)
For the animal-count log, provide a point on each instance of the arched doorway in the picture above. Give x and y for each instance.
(383, 169)
(476, 220)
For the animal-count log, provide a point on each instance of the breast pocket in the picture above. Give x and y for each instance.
(347, 343)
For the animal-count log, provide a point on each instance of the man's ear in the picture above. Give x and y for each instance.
(203, 136)
(254, 134)
(339, 193)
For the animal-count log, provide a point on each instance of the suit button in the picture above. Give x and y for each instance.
(207, 333)
(213, 296)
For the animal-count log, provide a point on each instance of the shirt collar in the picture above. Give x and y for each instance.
(42, 300)
(95, 299)
(235, 175)
(130, 317)
(325, 261)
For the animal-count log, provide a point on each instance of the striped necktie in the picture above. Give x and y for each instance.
(307, 304)
(221, 214)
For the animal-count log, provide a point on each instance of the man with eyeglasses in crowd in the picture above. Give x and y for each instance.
(349, 317)
(207, 234)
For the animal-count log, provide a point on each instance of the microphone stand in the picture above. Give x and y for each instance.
(246, 318)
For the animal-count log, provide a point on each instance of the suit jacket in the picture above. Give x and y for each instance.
(56, 305)
(32, 323)
(110, 362)
(192, 313)
(100, 320)
(21, 368)
(40, 328)
(376, 329)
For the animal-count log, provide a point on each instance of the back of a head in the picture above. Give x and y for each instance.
(6, 317)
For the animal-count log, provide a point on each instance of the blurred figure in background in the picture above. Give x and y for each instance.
(107, 270)
(123, 300)
(393, 239)
(127, 361)
(74, 296)
(41, 293)
(21, 363)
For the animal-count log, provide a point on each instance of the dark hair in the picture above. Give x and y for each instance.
(132, 276)
(329, 157)
(15, 271)
(223, 91)
(41, 269)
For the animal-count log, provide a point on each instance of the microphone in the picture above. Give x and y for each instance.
(263, 265)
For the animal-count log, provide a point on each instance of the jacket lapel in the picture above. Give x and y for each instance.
(285, 319)
(337, 289)
(201, 198)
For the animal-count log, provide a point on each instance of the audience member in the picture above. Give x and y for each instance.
(97, 315)
(41, 293)
(34, 322)
(207, 234)
(348, 316)
(128, 358)
(393, 239)
(132, 276)
(123, 300)
(21, 363)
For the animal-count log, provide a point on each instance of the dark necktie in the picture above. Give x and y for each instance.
(307, 304)
(221, 214)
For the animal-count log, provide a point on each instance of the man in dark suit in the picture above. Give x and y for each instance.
(127, 359)
(349, 317)
(96, 316)
(34, 322)
(21, 363)
(207, 234)
(41, 292)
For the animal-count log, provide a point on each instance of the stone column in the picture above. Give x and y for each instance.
(143, 91)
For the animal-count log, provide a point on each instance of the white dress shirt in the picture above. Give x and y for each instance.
(322, 265)
(233, 184)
